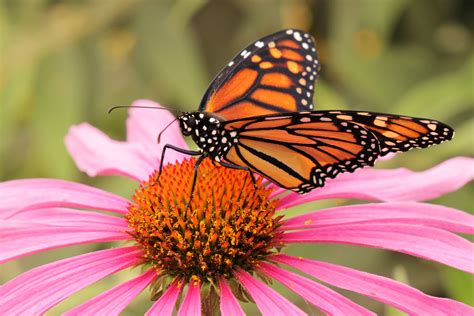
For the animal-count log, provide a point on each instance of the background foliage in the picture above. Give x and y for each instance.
(65, 62)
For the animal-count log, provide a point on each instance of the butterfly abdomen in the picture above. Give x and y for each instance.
(207, 132)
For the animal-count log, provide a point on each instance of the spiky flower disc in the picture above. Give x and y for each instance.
(230, 223)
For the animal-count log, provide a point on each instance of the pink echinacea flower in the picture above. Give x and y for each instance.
(231, 240)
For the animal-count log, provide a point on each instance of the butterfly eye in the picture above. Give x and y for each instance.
(191, 121)
(187, 124)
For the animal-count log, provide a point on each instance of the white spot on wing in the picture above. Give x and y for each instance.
(432, 127)
(259, 44)
(297, 36)
(305, 119)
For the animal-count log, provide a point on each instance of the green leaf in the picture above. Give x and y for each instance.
(168, 55)
(459, 285)
(59, 104)
(326, 98)
(399, 274)
(442, 96)
(463, 142)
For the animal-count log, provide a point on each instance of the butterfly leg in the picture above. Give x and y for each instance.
(180, 150)
(193, 183)
(231, 166)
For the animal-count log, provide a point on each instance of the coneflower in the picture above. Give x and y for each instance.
(230, 241)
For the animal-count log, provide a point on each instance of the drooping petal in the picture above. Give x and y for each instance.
(115, 300)
(191, 304)
(228, 303)
(394, 212)
(394, 293)
(269, 302)
(29, 194)
(165, 305)
(39, 289)
(144, 125)
(59, 216)
(96, 154)
(18, 239)
(420, 241)
(331, 302)
(392, 185)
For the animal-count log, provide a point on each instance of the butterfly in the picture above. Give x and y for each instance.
(257, 115)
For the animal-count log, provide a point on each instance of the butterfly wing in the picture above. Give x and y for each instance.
(275, 74)
(398, 133)
(298, 151)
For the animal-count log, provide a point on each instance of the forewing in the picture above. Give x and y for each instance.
(275, 74)
(398, 133)
(298, 151)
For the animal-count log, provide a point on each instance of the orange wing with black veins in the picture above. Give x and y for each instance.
(276, 74)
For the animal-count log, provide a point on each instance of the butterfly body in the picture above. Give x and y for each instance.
(207, 133)
(257, 115)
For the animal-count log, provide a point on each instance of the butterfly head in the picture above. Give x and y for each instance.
(187, 123)
(197, 123)
(207, 132)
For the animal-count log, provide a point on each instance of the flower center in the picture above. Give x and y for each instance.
(229, 223)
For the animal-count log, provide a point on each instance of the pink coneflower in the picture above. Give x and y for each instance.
(232, 238)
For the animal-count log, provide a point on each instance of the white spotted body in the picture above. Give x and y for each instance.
(206, 131)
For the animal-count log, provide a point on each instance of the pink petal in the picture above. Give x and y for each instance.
(421, 241)
(144, 125)
(115, 300)
(387, 157)
(96, 154)
(18, 239)
(191, 304)
(43, 193)
(395, 212)
(276, 190)
(399, 295)
(165, 305)
(269, 301)
(58, 216)
(228, 303)
(331, 302)
(37, 290)
(392, 185)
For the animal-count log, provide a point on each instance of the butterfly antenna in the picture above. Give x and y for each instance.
(158, 139)
(141, 107)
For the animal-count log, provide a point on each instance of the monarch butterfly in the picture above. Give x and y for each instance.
(257, 115)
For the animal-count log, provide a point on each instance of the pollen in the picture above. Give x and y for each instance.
(230, 222)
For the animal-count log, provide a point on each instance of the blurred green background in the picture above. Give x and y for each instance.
(65, 62)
